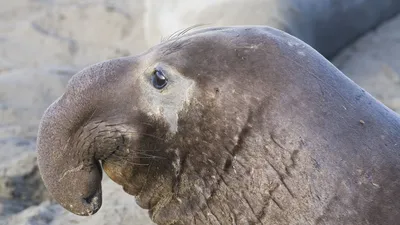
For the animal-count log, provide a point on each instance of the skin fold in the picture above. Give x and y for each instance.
(253, 127)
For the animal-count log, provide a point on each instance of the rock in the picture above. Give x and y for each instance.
(21, 180)
(9, 207)
(69, 32)
(37, 215)
(21, 185)
(118, 208)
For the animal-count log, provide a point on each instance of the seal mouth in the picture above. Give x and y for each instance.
(130, 189)
(151, 205)
(142, 204)
(149, 200)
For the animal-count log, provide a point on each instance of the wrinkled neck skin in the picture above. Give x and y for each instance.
(270, 160)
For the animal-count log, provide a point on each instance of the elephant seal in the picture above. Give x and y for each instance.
(326, 25)
(225, 125)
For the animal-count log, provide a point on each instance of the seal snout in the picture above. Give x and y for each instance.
(85, 206)
(92, 203)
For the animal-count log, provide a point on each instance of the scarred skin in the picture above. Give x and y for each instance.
(253, 127)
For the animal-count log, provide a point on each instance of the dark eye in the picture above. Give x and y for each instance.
(158, 79)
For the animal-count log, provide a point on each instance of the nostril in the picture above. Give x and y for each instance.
(93, 198)
(89, 200)
(92, 203)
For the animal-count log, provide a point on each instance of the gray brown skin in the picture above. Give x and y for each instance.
(253, 127)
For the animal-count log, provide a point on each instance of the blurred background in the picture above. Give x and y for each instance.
(44, 42)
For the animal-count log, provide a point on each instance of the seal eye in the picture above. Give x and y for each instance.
(158, 79)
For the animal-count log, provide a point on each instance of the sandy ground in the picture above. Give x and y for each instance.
(43, 43)
(373, 62)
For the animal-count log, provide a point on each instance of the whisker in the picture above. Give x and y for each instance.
(150, 135)
(114, 124)
(144, 134)
(144, 123)
(147, 150)
(179, 33)
(129, 162)
(170, 36)
(91, 116)
(151, 156)
(147, 177)
(190, 28)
